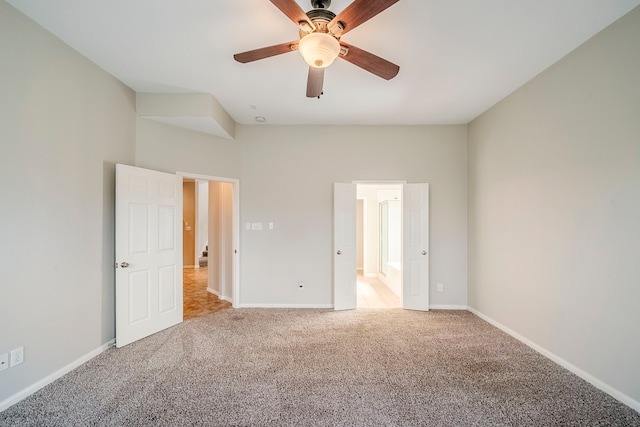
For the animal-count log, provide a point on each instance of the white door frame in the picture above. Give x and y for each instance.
(235, 228)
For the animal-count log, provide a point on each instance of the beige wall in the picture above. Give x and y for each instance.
(221, 239)
(64, 124)
(287, 178)
(554, 208)
(371, 229)
(172, 149)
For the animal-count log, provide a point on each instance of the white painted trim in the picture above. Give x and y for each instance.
(24, 393)
(213, 291)
(206, 177)
(379, 182)
(616, 394)
(447, 307)
(251, 305)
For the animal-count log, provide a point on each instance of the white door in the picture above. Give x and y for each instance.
(415, 247)
(344, 247)
(148, 252)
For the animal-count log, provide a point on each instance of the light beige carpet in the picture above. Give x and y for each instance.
(272, 367)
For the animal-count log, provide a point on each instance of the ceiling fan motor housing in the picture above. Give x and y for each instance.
(320, 4)
(321, 19)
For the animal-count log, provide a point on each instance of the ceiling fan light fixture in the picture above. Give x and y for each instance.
(319, 49)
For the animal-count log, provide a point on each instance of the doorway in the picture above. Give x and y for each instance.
(210, 236)
(379, 243)
(414, 248)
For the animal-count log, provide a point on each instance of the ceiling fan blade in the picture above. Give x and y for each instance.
(356, 13)
(293, 11)
(314, 82)
(265, 52)
(370, 62)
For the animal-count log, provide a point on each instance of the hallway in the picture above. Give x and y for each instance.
(197, 300)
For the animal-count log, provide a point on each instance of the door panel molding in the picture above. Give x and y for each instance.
(148, 236)
(344, 247)
(415, 247)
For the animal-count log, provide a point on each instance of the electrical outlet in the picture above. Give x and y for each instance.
(301, 286)
(17, 356)
(440, 287)
(4, 361)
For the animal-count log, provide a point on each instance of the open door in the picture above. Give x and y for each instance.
(415, 247)
(344, 247)
(148, 252)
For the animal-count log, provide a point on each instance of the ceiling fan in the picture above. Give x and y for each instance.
(320, 44)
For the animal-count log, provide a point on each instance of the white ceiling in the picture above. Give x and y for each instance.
(457, 57)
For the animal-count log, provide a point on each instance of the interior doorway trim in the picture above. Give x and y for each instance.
(378, 182)
(235, 228)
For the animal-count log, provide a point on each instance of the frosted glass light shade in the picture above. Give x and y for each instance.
(319, 49)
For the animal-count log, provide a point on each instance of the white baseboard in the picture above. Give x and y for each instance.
(447, 307)
(24, 393)
(616, 394)
(250, 305)
(431, 307)
(222, 297)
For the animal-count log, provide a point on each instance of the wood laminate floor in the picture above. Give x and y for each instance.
(372, 293)
(197, 300)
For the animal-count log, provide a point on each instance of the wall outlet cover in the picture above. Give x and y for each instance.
(17, 356)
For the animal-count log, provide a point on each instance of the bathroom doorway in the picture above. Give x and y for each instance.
(379, 245)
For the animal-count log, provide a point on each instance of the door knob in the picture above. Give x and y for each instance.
(424, 252)
(339, 252)
(124, 264)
